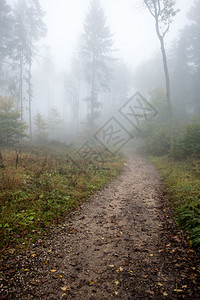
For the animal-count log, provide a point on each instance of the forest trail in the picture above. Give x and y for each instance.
(118, 246)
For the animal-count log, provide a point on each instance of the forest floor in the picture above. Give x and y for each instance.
(121, 244)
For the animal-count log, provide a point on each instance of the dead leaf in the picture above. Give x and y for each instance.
(165, 294)
(92, 282)
(116, 293)
(111, 266)
(33, 255)
(145, 276)
(116, 282)
(53, 271)
(178, 290)
(65, 288)
(160, 284)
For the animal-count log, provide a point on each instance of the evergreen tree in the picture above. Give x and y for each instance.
(41, 128)
(96, 54)
(11, 128)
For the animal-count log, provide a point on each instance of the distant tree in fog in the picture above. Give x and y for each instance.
(6, 22)
(192, 32)
(28, 29)
(163, 12)
(41, 127)
(96, 54)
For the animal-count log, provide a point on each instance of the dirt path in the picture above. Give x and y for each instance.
(119, 246)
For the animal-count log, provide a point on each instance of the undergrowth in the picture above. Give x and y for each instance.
(39, 186)
(182, 181)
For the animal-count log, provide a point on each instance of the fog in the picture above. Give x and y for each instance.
(54, 81)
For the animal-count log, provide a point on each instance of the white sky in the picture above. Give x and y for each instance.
(133, 28)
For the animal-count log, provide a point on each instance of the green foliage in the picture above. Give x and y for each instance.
(12, 129)
(183, 187)
(48, 183)
(41, 128)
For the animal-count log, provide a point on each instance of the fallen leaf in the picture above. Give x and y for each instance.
(33, 255)
(61, 276)
(160, 284)
(116, 293)
(112, 266)
(53, 271)
(65, 288)
(165, 294)
(151, 255)
(145, 276)
(26, 270)
(116, 282)
(178, 290)
(92, 282)
(131, 271)
(184, 286)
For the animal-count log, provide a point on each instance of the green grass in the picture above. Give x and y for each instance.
(182, 182)
(47, 184)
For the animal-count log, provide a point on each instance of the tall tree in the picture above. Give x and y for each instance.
(96, 53)
(163, 12)
(36, 30)
(193, 38)
(6, 23)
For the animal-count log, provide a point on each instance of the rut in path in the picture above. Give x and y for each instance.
(112, 249)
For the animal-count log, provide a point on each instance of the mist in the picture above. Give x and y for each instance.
(55, 83)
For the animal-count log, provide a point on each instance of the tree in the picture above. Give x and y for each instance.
(163, 12)
(28, 29)
(11, 128)
(6, 23)
(193, 39)
(36, 30)
(96, 54)
(41, 128)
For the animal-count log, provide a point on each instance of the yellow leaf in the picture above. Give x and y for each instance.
(165, 294)
(184, 286)
(178, 290)
(131, 271)
(112, 266)
(33, 255)
(61, 276)
(92, 282)
(53, 271)
(26, 270)
(116, 282)
(116, 293)
(49, 251)
(64, 288)
(151, 255)
(68, 251)
(160, 284)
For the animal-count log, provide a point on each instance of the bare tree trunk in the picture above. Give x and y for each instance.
(30, 99)
(168, 89)
(92, 93)
(21, 85)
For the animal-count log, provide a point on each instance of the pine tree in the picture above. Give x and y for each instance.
(41, 128)
(11, 128)
(96, 54)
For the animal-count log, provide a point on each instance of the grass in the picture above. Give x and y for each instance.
(182, 182)
(40, 186)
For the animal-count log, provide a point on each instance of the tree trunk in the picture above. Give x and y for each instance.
(92, 93)
(30, 99)
(168, 94)
(21, 85)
